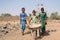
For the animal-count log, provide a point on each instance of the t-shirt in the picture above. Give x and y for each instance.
(23, 18)
(43, 17)
(33, 19)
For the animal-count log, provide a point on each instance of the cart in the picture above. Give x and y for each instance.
(34, 28)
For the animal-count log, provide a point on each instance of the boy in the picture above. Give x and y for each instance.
(43, 18)
(23, 16)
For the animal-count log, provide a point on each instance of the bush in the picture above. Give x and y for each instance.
(55, 16)
(6, 14)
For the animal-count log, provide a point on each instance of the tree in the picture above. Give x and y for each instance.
(6, 14)
(54, 15)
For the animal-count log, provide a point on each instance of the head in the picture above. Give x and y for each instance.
(34, 12)
(42, 10)
(23, 10)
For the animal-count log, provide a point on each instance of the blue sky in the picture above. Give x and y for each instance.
(14, 6)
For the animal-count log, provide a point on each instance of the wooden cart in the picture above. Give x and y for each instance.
(34, 28)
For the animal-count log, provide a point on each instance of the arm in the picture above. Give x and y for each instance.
(46, 17)
(38, 16)
(20, 18)
(26, 18)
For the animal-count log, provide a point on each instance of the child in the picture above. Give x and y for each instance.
(33, 17)
(33, 20)
(23, 16)
(43, 17)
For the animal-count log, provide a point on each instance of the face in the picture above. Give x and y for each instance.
(34, 13)
(42, 10)
(23, 10)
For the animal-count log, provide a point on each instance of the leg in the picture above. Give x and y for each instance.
(43, 29)
(39, 33)
(31, 33)
(22, 32)
(35, 34)
(23, 28)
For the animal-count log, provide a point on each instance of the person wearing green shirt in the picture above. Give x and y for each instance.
(43, 18)
(34, 21)
(33, 17)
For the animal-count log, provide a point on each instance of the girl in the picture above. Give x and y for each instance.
(23, 16)
(33, 17)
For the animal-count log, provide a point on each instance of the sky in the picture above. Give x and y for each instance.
(14, 6)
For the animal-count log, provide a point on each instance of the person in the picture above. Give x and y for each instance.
(43, 18)
(34, 21)
(33, 17)
(23, 17)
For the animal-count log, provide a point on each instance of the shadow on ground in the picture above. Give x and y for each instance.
(27, 32)
(47, 33)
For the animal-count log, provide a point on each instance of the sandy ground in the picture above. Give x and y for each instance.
(52, 29)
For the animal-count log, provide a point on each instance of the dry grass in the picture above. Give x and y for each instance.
(52, 27)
